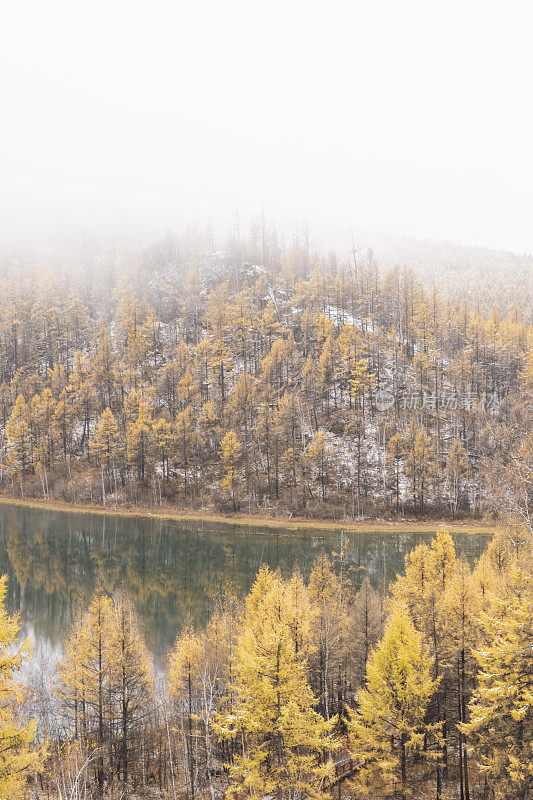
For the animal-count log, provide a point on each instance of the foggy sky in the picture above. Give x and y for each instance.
(408, 117)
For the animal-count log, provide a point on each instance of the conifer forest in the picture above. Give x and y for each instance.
(302, 689)
(263, 377)
(266, 400)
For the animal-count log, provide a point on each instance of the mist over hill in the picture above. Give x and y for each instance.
(499, 278)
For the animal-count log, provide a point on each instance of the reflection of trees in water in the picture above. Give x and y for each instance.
(55, 560)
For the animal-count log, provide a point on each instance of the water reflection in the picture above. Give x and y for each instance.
(55, 559)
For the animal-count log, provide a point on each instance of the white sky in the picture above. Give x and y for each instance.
(402, 116)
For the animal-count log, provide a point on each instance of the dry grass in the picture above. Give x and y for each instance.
(263, 521)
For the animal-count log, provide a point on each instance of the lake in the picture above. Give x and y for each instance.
(55, 559)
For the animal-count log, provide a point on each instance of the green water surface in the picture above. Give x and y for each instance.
(55, 559)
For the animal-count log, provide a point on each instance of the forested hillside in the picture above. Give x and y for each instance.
(262, 376)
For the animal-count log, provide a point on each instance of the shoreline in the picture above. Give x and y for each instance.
(257, 521)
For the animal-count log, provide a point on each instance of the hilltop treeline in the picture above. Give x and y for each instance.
(427, 693)
(260, 377)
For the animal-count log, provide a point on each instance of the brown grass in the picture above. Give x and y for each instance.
(263, 521)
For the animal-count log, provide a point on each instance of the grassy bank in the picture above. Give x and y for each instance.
(262, 521)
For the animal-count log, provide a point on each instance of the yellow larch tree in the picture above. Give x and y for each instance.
(283, 738)
(105, 445)
(18, 440)
(199, 672)
(186, 663)
(366, 627)
(42, 413)
(395, 452)
(457, 468)
(85, 678)
(316, 455)
(106, 685)
(230, 455)
(362, 379)
(428, 573)
(162, 435)
(460, 609)
(500, 729)
(183, 439)
(329, 633)
(131, 682)
(139, 438)
(18, 758)
(388, 732)
(420, 464)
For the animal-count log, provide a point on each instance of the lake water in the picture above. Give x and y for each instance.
(54, 560)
